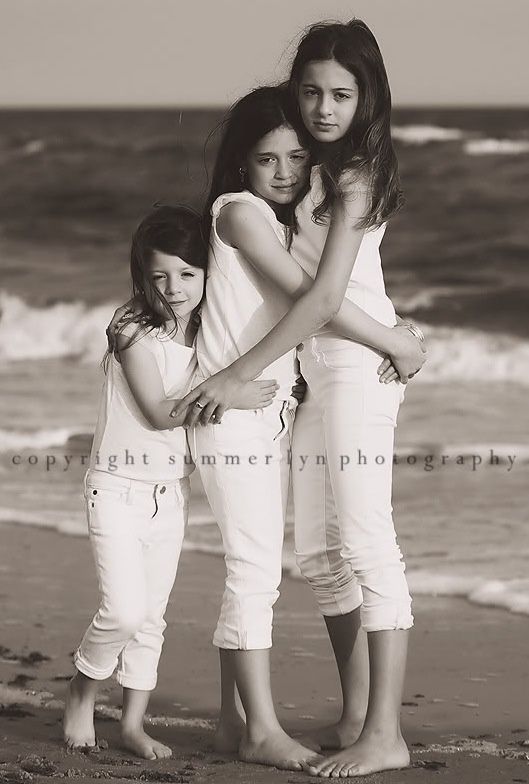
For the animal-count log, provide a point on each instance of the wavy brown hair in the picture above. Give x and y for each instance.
(366, 151)
(177, 231)
(253, 116)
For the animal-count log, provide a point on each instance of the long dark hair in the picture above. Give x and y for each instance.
(245, 123)
(176, 231)
(366, 151)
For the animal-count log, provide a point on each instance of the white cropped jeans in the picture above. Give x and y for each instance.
(342, 457)
(243, 464)
(136, 530)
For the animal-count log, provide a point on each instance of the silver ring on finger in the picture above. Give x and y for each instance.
(199, 405)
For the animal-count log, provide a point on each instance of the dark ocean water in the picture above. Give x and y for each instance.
(74, 184)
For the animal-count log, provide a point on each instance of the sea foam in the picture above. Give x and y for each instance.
(70, 329)
(511, 595)
(424, 134)
(496, 146)
(36, 439)
(78, 330)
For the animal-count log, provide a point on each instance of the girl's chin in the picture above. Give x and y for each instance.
(325, 136)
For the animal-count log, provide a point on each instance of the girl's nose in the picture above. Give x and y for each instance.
(325, 106)
(172, 287)
(283, 170)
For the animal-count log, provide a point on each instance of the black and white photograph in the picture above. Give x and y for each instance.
(264, 368)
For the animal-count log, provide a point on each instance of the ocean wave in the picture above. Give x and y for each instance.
(33, 147)
(78, 330)
(496, 146)
(72, 524)
(36, 439)
(60, 330)
(512, 595)
(424, 134)
(59, 144)
(457, 354)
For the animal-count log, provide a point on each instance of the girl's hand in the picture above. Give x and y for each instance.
(224, 390)
(253, 394)
(387, 371)
(407, 353)
(112, 328)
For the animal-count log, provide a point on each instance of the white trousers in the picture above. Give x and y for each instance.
(243, 464)
(342, 457)
(136, 530)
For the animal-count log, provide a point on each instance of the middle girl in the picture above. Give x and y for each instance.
(261, 168)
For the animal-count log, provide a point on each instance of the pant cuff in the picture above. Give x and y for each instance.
(129, 682)
(242, 642)
(89, 671)
(380, 622)
(343, 604)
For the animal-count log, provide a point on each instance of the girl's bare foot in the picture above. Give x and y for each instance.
(339, 736)
(78, 721)
(228, 735)
(142, 745)
(278, 750)
(370, 754)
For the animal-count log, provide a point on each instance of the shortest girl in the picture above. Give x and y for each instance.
(137, 486)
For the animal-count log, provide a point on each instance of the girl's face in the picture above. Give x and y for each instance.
(181, 284)
(277, 167)
(328, 97)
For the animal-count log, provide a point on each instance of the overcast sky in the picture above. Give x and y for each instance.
(208, 52)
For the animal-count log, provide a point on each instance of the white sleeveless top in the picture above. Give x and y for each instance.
(366, 284)
(241, 305)
(123, 436)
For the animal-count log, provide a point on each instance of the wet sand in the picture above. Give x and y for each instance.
(464, 709)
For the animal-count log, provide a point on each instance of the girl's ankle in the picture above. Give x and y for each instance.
(131, 726)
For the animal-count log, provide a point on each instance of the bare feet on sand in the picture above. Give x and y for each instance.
(278, 750)
(338, 736)
(369, 755)
(228, 735)
(78, 722)
(142, 745)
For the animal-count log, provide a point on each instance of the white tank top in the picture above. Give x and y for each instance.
(123, 436)
(241, 305)
(366, 284)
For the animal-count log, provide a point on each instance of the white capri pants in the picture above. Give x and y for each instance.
(346, 545)
(244, 467)
(136, 530)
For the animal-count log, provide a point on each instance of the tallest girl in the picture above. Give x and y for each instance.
(345, 538)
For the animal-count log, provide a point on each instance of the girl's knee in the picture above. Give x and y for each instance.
(125, 621)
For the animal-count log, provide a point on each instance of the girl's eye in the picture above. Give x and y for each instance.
(158, 277)
(265, 160)
(309, 91)
(342, 96)
(188, 274)
(299, 157)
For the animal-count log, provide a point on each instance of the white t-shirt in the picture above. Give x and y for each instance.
(241, 305)
(366, 285)
(125, 443)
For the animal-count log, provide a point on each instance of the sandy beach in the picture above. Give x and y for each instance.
(464, 709)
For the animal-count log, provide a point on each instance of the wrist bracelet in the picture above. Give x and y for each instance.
(416, 332)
